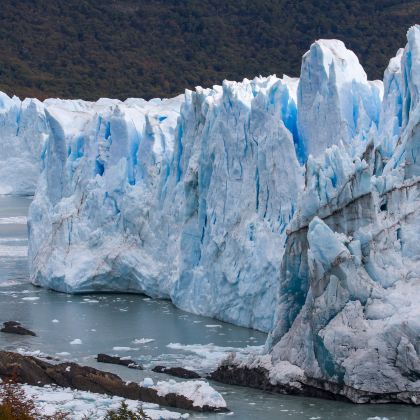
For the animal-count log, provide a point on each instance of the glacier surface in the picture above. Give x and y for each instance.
(286, 205)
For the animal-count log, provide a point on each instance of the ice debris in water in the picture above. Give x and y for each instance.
(143, 340)
(81, 404)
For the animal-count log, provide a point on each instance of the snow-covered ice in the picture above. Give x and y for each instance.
(49, 400)
(199, 392)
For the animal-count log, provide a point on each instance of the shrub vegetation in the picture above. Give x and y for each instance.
(124, 413)
(16, 405)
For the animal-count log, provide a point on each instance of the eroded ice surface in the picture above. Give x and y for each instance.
(350, 279)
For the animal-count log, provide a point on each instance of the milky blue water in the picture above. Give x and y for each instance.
(110, 323)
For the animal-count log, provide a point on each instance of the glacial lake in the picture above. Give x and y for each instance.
(150, 331)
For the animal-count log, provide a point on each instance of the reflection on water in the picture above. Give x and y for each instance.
(144, 329)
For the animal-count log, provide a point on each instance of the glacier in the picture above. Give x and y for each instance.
(282, 204)
(348, 313)
(24, 132)
(148, 198)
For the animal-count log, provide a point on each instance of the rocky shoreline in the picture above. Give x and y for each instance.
(32, 371)
(259, 378)
(114, 360)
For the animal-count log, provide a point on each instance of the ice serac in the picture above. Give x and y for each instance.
(186, 198)
(240, 183)
(336, 102)
(23, 133)
(348, 312)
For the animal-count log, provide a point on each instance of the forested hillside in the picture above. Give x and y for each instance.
(89, 48)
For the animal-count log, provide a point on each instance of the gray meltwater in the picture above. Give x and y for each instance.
(150, 331)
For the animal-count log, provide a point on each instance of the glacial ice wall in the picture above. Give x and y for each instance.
(23, 134)
(348, 311)
(186, 198)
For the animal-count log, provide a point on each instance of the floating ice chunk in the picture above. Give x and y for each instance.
(35, 353)
(118, 348)
(18, 220)
(13, 251)
(143, 340)
(147, 382)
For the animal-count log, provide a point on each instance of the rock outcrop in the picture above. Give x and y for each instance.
(14, 327)
(32, 371)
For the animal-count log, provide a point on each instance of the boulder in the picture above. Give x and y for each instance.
(179, 372)
(14, 327)
(115, 360)
(33, 371)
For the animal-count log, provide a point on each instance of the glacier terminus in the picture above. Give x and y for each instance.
(287, 205)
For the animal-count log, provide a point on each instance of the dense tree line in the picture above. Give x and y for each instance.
(125, 48)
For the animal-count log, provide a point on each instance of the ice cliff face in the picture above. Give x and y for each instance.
(186, 199)
(350, 280)
(23, 132)
(280, 204)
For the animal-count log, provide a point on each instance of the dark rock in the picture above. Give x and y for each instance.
(104, 358)
(33, 371)
(232, 374)
(14, 327)
(179, 372)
